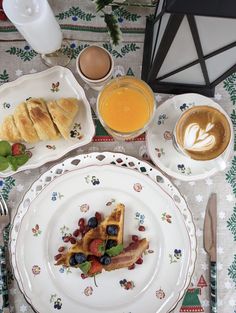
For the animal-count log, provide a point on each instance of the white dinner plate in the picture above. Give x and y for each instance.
(160, 146)
(43, 85)
(55, 204)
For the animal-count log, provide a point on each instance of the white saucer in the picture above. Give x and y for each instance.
(159, 140)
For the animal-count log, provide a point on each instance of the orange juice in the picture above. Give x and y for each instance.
(126, 105)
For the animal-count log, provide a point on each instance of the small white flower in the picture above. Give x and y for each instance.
(209, 181)
(177, 183)
(19, 72)
(220, 250)
(219, 266)
(202, 214)
(218, 96)
(93, 149)
(93, 100)
(228, 284)
(222, 215)
(205, 303)
(119, 149)
(23, 308)
(33, 71)
(19, 187)
(229, 197)
(198, 232)
(12, 291)
(119, 71)
(158, 98)
(219, 302)
(204, 266)
(202, 250)
(199, 198)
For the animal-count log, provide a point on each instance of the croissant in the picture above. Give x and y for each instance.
(9, 131)
(63, 112)
(41, 119)
(35, 120)
(24, 124)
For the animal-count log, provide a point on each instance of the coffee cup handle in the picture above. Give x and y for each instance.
(221, 164)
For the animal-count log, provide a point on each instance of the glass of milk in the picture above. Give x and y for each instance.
(35, 20)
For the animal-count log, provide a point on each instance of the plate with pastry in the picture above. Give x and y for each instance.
(42, 117)
(91, 238)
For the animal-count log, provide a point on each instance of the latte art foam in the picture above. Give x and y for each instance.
(197, 139)
(203, 132)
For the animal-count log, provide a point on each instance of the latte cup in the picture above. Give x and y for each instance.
(203, 133)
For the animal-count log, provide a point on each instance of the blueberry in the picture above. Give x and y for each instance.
(105, 259)
(92, 222)
(111, 243)
(80, 257)
(112, 230)
(73, 261)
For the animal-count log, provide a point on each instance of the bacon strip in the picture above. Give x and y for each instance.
(129, 256)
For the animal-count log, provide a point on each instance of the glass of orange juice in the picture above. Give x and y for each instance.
(125, 107)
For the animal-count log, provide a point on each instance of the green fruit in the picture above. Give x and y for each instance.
(5, 148)
(3, 163)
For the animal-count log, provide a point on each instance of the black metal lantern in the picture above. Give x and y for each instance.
(190, 46)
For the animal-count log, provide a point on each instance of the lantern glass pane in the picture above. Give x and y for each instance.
(215, 33)
(219, 64)
(181, 52)
(192, 75)
(157, 37)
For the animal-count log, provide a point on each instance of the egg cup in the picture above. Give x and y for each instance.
(96, 84)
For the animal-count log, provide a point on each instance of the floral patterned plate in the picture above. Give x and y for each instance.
(160, 146)
(53, 83)
(51, 209)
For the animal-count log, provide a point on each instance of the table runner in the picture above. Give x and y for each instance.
(82, 26)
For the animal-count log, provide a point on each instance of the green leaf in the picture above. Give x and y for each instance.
(122, 12)
(85, 267)
(114, 251)
(17, 161)
(101, 248)
(113, 28)
(100, 4)
(4, 77)
(3, 163)
(21, 159)
(13, 162)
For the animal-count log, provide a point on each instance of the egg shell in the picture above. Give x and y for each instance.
(94, 62)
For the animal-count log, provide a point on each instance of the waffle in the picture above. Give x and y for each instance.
(115, 218)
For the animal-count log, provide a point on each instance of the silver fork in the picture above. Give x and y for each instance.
(4, 221)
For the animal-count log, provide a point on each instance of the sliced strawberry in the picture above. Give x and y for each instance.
(95, 268)
(17, 149)
(97, 247)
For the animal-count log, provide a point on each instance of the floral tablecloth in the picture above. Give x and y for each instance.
(82, 26)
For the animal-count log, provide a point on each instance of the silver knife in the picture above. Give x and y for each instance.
(210, 238)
